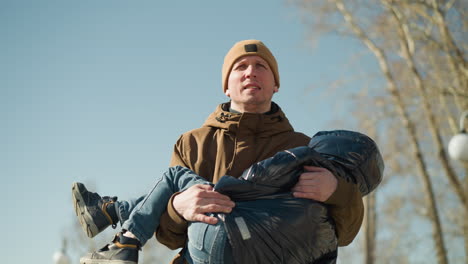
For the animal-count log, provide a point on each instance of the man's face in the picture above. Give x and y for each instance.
(251, 85)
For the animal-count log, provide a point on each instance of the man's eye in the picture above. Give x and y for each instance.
(240, 67)
(261, 65)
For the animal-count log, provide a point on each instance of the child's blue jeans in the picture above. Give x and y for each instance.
(206, 243)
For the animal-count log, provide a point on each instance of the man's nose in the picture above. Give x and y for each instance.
(250, 72)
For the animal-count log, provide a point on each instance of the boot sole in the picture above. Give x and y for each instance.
(85, 218)
(104, 261)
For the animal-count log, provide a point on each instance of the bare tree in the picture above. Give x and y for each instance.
(419, 46)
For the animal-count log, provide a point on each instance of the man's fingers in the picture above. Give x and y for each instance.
(307, 191)
(315, 183)
(206, 219)
(194, 203)
(310, 175)
(312, 196)
(307, 180)
(305, 188)
(299, 194)
(203, 186)
(207, 192)
(215, 208)
(200, 216)
(213, 195)
(225, 203)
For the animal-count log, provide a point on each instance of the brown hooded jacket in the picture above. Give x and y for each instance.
(228, 143)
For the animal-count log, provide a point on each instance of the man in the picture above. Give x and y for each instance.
(248, 129)
(239, 133)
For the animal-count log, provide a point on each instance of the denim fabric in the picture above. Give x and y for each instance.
(207, 244)
(124, 208)
(141, 216)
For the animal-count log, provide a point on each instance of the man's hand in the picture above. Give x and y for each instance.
(316, 183)
(193, 203)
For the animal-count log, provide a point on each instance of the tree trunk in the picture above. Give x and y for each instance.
(391, 86)
(370, 229)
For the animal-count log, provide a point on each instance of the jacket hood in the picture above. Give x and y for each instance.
(266, 125)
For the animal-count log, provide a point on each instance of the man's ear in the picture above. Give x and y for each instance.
(276, 89)
(227, 93)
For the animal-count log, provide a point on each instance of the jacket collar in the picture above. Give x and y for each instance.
(267, 124)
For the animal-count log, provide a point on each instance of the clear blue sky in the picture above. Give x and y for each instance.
(99, 90)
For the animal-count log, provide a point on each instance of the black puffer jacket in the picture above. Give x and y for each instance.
(269, 225)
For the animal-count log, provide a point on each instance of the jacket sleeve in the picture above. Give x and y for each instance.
(172, 230)
(347, 210)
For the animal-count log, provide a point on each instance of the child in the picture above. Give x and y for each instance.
(267, 225)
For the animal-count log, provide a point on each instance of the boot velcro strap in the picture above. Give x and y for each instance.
(121, 241)
(104, 210)
(120, 245)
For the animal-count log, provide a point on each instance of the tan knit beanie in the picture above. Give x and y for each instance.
(247, 48)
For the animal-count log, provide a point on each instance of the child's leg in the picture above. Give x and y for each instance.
(144, 218)
(96, 213)
(125, 207)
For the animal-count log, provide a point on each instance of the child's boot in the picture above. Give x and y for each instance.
(95, 213)
(122, 250)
